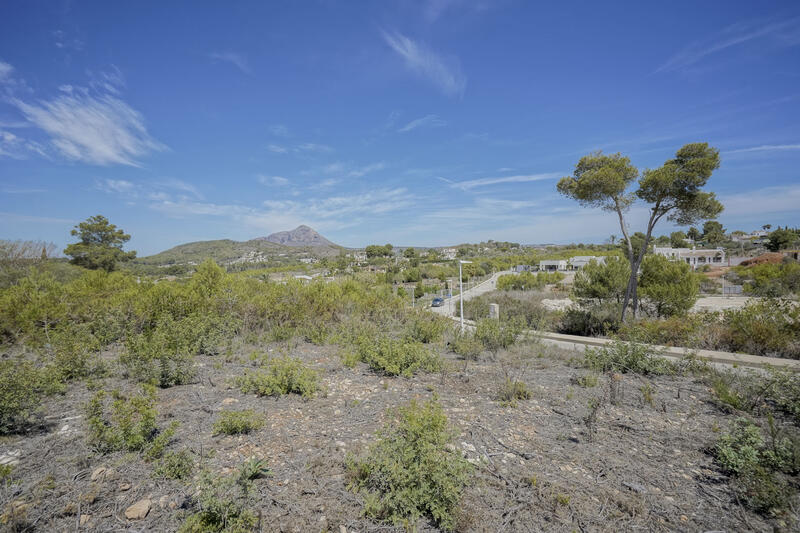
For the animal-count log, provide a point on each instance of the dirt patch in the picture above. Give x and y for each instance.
(546, 465)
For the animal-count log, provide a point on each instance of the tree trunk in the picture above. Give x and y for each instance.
(630, 255)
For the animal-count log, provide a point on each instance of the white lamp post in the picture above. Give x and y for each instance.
(461, 290)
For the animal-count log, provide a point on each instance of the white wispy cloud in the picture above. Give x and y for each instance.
(313, 147)
(116, 186)
(277, 149)
(483, 182)
(101, 130)
(428, 121)
(279, 181)
(445, 74)
(748, 204)
(5, 70)
(279, 130)
(16, 147)
(765, 148)
(238, 60)
(783, 33)
(368, 169)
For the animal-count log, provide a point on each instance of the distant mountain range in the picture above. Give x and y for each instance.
(281, 247)
(300, 236)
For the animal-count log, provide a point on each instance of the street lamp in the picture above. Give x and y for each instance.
(461, 290)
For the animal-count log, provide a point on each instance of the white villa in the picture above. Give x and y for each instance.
(449, 253)
(693, 257)
(550, 266)
(580, 261)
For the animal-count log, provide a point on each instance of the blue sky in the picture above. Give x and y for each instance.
(416, 123)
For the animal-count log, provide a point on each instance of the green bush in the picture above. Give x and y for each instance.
(621, 356)
(764, 327)
(498, 334)
(175, 465)
(667, 288)
(238, 422)
(410, 472)
(756, 464)
(425, 327)
(279, 376)
(598, 283)
(223, 505)
(770, 280)
(22, 387)
(591, 321)
(128, 423)
(466, 345)
(75, 351)
(395, 357)
(511, 391)
(155, 357)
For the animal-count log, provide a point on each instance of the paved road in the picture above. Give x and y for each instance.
(451, 305)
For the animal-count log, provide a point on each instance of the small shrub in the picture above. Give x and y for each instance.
(222, 505)
(75, 349)
(587, 380)
(410, 472)
(764, 327)
(279, 376)
(22, 387)
(466, 345)
(621, 356)
(648, 394)
(756, 464)
(497, 334)
(394, 357)
(426, 327)
(155, 358)
(175, 465)
(5, 472)
(511, 391)
(591, 321)
(129, 423)
(238, 422)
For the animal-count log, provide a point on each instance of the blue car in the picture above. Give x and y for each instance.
(437, 302)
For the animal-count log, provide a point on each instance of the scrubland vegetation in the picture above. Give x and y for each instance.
(249, 403)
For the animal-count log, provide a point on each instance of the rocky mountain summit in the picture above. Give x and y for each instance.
(300, 236)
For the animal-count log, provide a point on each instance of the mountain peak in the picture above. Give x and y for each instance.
(302, 235)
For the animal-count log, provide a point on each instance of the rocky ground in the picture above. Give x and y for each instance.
(640, 463)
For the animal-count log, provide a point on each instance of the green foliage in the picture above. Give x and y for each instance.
(525, 306)
(74, 350)
(781, 239)
(466, 345)
(590, 321)
(175, 465)
(713, 232)
(283, 375)
(498, 334)
(129, 423)
(677, 239)
(770, 280)
(222, 504)
(621, 356)
(410, 472)
(764, 327)
(511, 391)
(669, 286)
(100, 245)
(425, 327)
(602, 282)
(756, 464)
(22, 387)
(397, 357)
(238, 422)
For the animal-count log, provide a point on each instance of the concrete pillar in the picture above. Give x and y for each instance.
(494, 311)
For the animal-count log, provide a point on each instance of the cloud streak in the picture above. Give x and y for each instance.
(101, 130)
(783, 32)
(237, 60)
(445, 74)
(428, 121)
(766, 148)
(483, 182)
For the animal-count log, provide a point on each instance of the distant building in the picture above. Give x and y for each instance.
(524, 268)
(449, 254)
(308, 260)
(359, 256)
(551, 266)
(793, 254)
(580, 261)
(693, 257)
